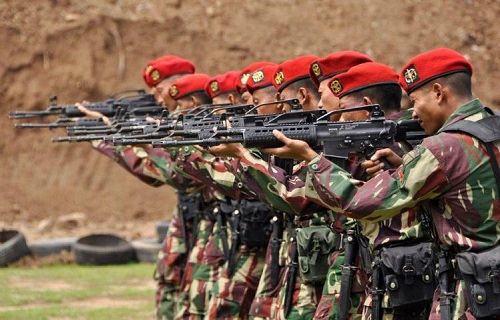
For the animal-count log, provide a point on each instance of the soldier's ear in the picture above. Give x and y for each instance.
(303, 95)
(232, 98)
(194, 101)
(367, 101)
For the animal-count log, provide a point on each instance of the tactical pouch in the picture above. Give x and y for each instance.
(408, 273)
(255, 224)
(314, 246)
(481, 273)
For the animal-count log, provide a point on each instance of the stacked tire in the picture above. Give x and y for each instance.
(12, 247)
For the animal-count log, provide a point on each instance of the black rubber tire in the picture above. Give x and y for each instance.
(147, 249)
(53, 246)
(161, 230)
(103, 249)
(12, 247)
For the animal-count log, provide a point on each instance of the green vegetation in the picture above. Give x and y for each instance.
(77, 292)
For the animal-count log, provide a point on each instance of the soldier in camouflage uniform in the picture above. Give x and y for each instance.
(439, 86)
(154, 166)
(375, 83)
(291, 79)
(188, 92)
(232, 283)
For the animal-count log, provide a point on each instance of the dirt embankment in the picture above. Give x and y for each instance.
(90, 49)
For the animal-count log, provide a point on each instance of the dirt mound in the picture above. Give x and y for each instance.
(89, 49)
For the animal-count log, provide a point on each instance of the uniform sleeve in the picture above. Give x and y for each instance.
(216, 172)
(153, 166)
(421, 177)
(274, 186)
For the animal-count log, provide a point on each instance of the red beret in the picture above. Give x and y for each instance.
(245, 73)
(334, 64)
(165, 67)
(362, 76)
(261, 78)
(188, 84)
(292, 70)
(222, 83)
(431, 65)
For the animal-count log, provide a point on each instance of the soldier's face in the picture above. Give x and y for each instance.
(328, 100)
(246, 97)
(427, 110)
(347, 102)
(291, 93)
(266, 95)
(184, 103)
(164, 97)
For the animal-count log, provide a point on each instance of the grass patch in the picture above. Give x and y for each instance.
(59, 292)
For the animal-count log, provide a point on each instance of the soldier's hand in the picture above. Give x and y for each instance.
(374, 166)
(234, 150)
(293, 149)
(92, 114)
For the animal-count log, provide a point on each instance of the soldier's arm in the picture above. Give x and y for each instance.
(216, 172)
(151, 165)
(419, 178)
(274, 186)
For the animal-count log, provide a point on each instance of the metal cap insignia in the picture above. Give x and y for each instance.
(244, 78)
(411, 75)
(214, 86)
(336, 86)
(174, 91)
(257, 76)
(155, 75)
(316, 69)
(279, 77)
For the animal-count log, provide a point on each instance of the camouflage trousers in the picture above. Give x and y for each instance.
(190, 299)
(329, 305)
(305, 297)
(267, 294)
(232, 294)
(170, 268)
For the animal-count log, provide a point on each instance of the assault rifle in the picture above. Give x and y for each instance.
(197, 128)
(335, 139)
(202, 116)
(130, 101)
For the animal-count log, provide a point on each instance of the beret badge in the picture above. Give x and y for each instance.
(214, 86)
(155, 75)
(244, 78)
(411, 75)
(174, 91)
(316, 69)
(279, 77)
(258, 76)
(336, 86)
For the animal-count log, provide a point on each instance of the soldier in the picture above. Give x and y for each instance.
(322, 70)
(233, 280)
(246, 97)
(162, 72)
(152, 166)
(438, 83)
(375, 83)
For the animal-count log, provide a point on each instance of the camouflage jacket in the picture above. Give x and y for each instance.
(216, 172)
(288, 193)
(153, 166)
(450, 173)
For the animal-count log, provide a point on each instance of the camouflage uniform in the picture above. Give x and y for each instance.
(401, 228)
(451, 170)
(154, 166)
(196, 284)
(231, 294)
(306, 296)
